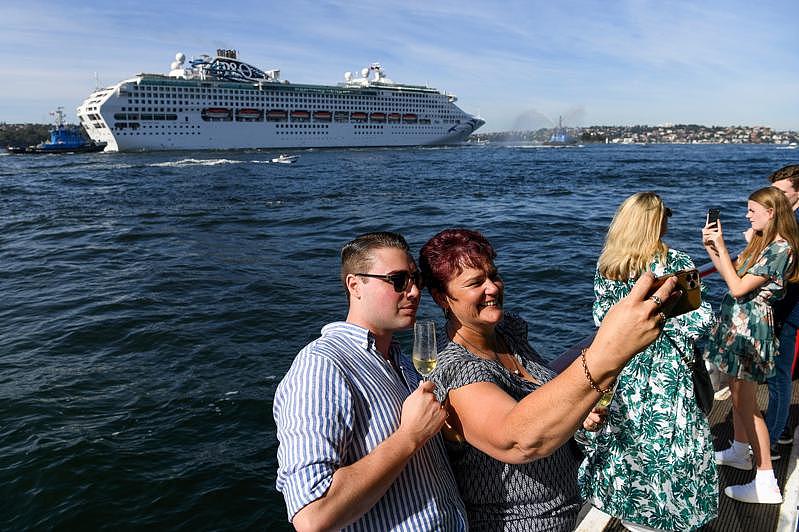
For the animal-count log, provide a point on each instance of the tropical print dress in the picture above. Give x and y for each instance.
(743, 343)
(652, 463)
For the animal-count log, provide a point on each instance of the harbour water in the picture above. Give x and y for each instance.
(151, 302)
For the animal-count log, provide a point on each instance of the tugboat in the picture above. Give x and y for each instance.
(63, 139)
(560, 137)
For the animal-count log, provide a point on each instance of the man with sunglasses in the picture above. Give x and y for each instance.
(359, 445)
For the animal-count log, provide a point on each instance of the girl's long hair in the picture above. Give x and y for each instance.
(633, 238)
(783, 223)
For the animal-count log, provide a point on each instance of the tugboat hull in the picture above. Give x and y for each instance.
(63, 139)
(86, 148)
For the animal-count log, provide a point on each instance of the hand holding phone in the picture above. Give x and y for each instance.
(712, 216)
(691, 297)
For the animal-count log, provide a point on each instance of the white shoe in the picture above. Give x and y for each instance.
(754, 494)
(730, 458)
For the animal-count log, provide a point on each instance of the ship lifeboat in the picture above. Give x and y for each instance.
(215, 113)
(378, 117)
(393, 117)
(409, 118)
(276, 115)
(300, 115)
(341, 116)
(322, 116)
(359, 117)
(249, 114)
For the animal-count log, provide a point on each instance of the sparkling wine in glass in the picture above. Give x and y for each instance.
(425, 352)
(604, 402)
(607, 397)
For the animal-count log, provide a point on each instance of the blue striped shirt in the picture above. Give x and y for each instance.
(339, 400)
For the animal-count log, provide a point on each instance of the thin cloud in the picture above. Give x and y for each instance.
(633, 61)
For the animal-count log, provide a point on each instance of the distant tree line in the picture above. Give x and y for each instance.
(678, 133)
(26, 134)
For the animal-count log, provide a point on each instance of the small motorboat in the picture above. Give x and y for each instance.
(63, 139)
(285, 159)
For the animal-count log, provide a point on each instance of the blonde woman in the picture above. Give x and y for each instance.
(743, 344)
(652, 466)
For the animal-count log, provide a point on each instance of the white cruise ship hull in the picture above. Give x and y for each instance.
(192, 112)
(234, 135)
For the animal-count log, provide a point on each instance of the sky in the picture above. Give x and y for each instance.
(517, 64)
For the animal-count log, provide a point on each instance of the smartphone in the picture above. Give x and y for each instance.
(691, 298)
(712, 215)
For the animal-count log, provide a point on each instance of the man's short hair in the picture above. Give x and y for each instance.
(357, 254)
(787, 172)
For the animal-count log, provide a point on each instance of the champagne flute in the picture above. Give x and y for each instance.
(604, 402)
(607, 397)
(425, 352)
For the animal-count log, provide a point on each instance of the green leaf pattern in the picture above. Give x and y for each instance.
(743, 343)
(653, 463)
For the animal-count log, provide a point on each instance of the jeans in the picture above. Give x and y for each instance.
(779, 385)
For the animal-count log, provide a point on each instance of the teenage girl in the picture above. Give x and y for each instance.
(743, 343)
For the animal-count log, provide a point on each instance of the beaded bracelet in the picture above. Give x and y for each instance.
(591, 381)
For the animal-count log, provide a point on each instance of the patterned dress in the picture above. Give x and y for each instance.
(743, 343)
(652, 463)
(537, 496)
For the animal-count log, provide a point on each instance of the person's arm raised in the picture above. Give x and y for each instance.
(536, 426)
(713, 240)
(357, 487)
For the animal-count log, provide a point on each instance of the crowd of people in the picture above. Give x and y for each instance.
(496, 439)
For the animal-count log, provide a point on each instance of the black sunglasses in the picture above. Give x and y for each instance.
(667, 212)
(399, 280)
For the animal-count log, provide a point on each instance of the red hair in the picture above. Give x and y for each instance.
(446, 255)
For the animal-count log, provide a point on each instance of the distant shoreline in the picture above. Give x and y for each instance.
(670, 134)
(31, 133)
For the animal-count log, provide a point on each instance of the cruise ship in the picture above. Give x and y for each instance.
(225, 103)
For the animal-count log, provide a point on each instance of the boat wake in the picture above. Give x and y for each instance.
(204, 162)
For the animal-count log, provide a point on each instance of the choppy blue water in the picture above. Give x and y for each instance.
(152, 302)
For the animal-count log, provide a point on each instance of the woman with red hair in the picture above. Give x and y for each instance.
(510, 416)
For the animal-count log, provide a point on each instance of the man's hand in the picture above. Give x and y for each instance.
(422, 415)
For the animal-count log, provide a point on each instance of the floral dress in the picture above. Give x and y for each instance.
(653, 462)
(743, 343)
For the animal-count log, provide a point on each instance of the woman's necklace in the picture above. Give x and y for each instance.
(515, 369)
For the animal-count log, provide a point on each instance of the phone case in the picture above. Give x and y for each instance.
(691, 298)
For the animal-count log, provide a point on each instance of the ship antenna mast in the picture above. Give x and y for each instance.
(58, 116)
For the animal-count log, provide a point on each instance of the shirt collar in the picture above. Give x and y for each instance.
(362, 336)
